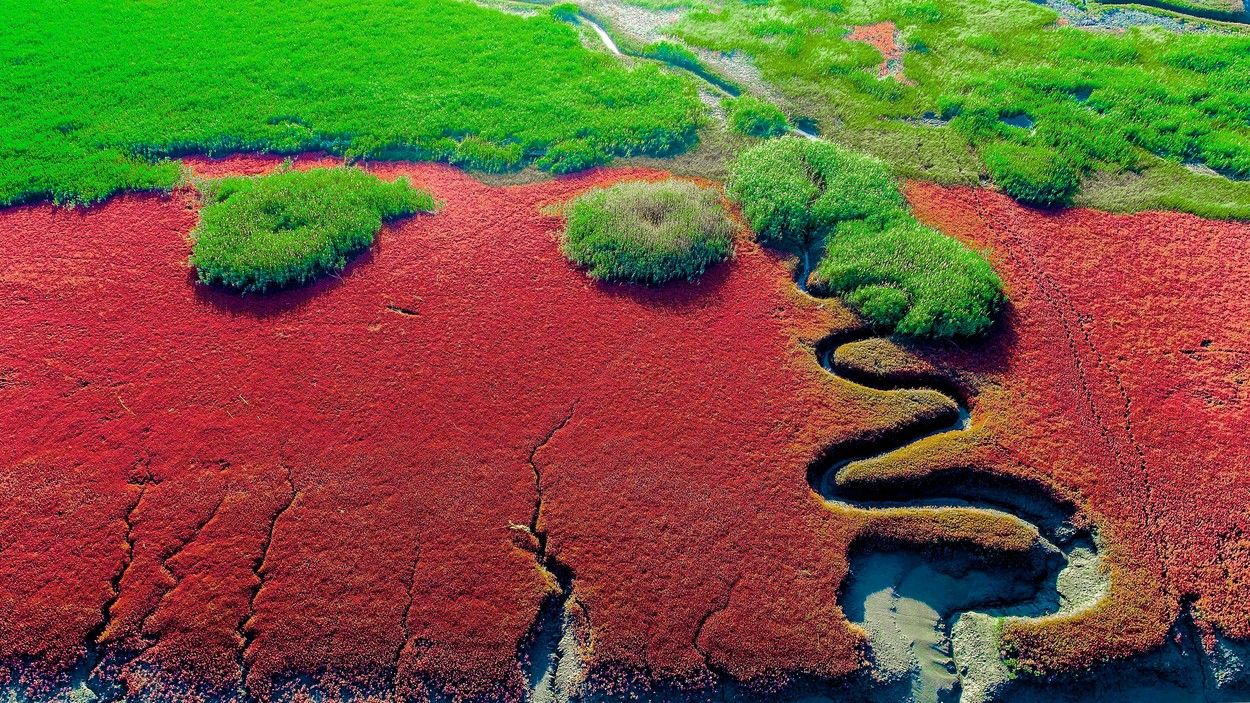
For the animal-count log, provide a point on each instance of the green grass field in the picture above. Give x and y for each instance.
(1091, 102)
(96, 93)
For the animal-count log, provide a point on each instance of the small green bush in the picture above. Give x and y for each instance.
(565, 12)
(856, 187)
(289, 227)
(794, 190)
(1032, 175)
(897, 273)
(674, 55)
(771, 183)
(911, 279)
(648, 232)
(754, 117)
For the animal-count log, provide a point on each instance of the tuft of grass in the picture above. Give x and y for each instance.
(773, 186)
(287, 228)
(910, 279)
(898, 274)
(93, 103)
(674, 55)
(679, 56)
(565, 12)
(646, 232)
(755, 118)
(1032, 175)
(795, 191)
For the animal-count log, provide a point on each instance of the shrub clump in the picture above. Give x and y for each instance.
(648, 232)
(756, 118)
(673, 55)
(910, 279)
(565, 12)
(263, 232)
(801, 194)
(1032, 175)
(793, 191)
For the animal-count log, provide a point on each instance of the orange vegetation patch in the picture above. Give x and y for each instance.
(884, 37)
(1121, 374)
(350, 487)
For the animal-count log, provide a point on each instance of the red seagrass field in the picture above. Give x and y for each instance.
(624, 351)
(340, 480)
(1121, 373)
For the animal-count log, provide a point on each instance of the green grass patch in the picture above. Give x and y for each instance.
(96, 94)
(910, 279)
(1032, 175)
(794, 191)
(754, 117)
(674, 55)
(679, 56)
(1168, 186)
(287, 228)
(565, 12)
(648, 232)
(1096, 102)
(899, 275)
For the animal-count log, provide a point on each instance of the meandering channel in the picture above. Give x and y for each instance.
(930, 621)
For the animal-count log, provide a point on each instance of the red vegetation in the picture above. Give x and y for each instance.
(1122, 374)
(335, 486)
(884, 37)
(338, 481)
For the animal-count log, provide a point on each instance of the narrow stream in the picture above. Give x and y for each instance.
(603, 35)
(910, 601)
(931, 620)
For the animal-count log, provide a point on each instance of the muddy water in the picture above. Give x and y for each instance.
(932, 622)
(911, 602)
(906, 601)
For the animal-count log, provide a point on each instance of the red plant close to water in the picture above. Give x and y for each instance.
(344, 479)
(1122, 373)
(363, 485)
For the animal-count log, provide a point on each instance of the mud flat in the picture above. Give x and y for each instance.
(1128, 16)
(1178, 671)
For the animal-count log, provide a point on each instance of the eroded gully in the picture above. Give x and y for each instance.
(932, 619)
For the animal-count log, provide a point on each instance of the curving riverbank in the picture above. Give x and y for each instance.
(911, 600)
